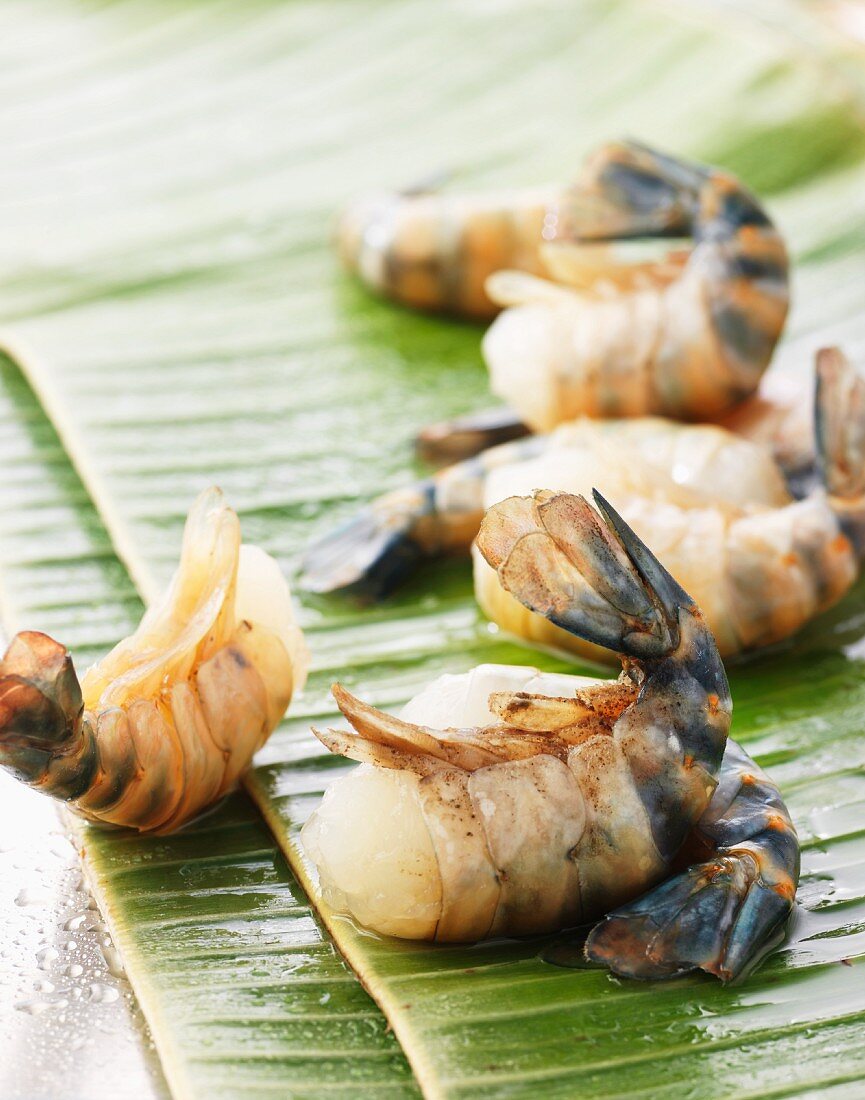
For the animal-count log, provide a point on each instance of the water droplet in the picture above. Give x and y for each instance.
(99, 993)
(47, 957)
(113, 961)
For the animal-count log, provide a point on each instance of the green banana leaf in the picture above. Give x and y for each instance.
(173, 316)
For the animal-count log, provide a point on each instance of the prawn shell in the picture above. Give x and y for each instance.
(187, 624)
(156, 789)
(435, 251)
(615, 866)
(533, 817)
(470, 883)
(785, 568)
(234, 703)
(118, 769)
(203, 767)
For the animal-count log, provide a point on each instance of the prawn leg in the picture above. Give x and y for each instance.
(727, 909)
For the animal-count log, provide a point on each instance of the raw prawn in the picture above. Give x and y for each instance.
(778, 416)
(715, 506)
(165, 723)
(572, 803)
(687, 336)
(616, 329)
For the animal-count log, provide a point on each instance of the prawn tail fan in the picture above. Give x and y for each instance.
(448, 441)
(717, 916)
(40, 706)
(371, 554)
(628, 190)
(597, 580)
(728, 909)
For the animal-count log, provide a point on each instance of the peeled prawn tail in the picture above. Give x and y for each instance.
(729, 908)
(600, 582)
(378, 549)
(839, 419)
(44, 739)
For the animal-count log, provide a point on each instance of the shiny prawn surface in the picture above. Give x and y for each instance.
(167, 722)
(760, 560)
(569, 804)
(616, 332)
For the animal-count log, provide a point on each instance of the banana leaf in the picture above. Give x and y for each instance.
(170, 297)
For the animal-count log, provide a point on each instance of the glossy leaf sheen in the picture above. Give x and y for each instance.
(169, 292)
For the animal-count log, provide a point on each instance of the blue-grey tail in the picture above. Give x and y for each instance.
(463, 437)
(630, 191)
(376, 550)
(728, 908)
(594, 579)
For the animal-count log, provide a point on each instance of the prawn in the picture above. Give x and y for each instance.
(687, 335)
(166, 722)
(759, 561)
(778, 416)
(567, 807)
(594, 322)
